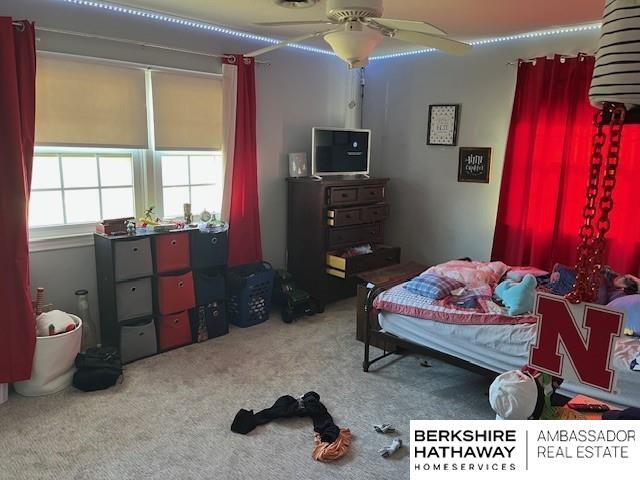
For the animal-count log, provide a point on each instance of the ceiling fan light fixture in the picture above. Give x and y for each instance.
(295, 3)
(354, 47)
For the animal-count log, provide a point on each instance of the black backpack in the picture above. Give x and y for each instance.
(97, 369)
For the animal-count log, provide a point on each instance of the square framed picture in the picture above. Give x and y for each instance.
(442, 128)
(474, 164)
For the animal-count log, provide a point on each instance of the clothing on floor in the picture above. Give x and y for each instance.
(384, 428)
(395, 445)
(328, 452)
(308, 405)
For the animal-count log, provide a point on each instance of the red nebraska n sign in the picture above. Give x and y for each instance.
(587, 342)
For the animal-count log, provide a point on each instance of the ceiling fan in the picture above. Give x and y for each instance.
(358, 28)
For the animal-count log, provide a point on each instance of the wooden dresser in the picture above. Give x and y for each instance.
(326, 217)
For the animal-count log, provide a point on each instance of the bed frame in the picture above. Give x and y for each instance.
(373, 333)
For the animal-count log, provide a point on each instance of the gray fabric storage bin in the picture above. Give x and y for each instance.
(132, 259)
(134, 299)
(138, 341)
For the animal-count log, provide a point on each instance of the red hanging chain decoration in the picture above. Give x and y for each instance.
(592, 233)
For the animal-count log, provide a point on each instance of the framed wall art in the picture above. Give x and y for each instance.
(474, 164)
(442, 128)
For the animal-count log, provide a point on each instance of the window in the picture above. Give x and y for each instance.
(195, 178)
(80, 187)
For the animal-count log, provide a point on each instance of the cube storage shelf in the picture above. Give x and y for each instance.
(159, 291)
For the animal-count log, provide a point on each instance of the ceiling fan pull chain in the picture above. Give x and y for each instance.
(592, 244)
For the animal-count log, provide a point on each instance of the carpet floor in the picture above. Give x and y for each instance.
(170, 417)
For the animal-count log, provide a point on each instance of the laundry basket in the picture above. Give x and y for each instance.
(250, 293)
(53, 363)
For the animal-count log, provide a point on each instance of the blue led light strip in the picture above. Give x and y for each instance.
(509, 38)
(161, 17)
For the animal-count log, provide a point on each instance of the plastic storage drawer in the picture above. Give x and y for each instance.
(138, 341)
(208, 249)
(132, 259)
(210, 286)
(175, 293)
(174, 331)
(134, 299)
(172, 252)
(208, 321)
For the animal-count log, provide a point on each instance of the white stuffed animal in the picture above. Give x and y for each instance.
(54, 323)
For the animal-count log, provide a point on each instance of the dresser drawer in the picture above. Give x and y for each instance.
(138, 341)
(172, 252)
(175, 293)
(350, 235)
(174, 331)
(376, 213)
(210, 286)
(382, 256)
(373, 193)
(342, 195)
(339, 217)
(132, 259)
(208, 249)
(134, 299)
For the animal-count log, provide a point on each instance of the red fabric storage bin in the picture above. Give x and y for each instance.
(174, 331)
(172, 252)
(175, 293)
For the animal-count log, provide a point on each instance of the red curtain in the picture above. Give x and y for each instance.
(244, 215)
(17, 125)
(546, 169)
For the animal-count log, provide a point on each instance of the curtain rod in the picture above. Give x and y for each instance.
(562, 57)
(132, 42)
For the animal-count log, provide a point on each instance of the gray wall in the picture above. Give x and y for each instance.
(295, 92)
(433, 217)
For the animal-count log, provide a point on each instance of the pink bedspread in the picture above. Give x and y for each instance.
(400, 300)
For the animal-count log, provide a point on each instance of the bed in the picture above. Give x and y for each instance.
(490, 347)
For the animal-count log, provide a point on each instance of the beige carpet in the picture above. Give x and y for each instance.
(170, 418)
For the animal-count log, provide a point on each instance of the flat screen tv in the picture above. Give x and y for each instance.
(340, 151)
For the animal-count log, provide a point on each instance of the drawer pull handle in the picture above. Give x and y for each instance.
(176, 321)
(214, 240)
(344, 195)
(135, 249)
(173, 242)
(140, 334)
(133, 289)
(375, 212)
(181, 284)
(348, 217)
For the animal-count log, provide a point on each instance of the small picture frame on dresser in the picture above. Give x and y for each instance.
(442, 125)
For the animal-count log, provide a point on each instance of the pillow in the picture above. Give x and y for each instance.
(435, 287)
(518, 297)
(517, 273)
(630, 305)
(471, 274)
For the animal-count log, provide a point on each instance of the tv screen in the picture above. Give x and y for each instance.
(340, 151)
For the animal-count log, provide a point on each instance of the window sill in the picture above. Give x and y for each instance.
(60, 242)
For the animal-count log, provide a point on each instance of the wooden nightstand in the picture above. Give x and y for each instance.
(401, 272)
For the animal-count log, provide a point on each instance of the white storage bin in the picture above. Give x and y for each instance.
(53, 363)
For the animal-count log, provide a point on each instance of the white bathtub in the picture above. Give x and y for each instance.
(53, 363)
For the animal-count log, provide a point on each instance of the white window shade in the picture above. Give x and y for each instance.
(80, 103)
(187, 111)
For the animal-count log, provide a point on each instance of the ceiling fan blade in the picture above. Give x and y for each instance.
(292, 24)
(432, 41)
(412, 25)
(264, 50)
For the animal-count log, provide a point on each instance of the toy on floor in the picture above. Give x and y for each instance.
(384, 428)
(395, 445)
(54, 322)
(294, 302)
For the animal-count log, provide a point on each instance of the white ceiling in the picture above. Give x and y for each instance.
(462, 19)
